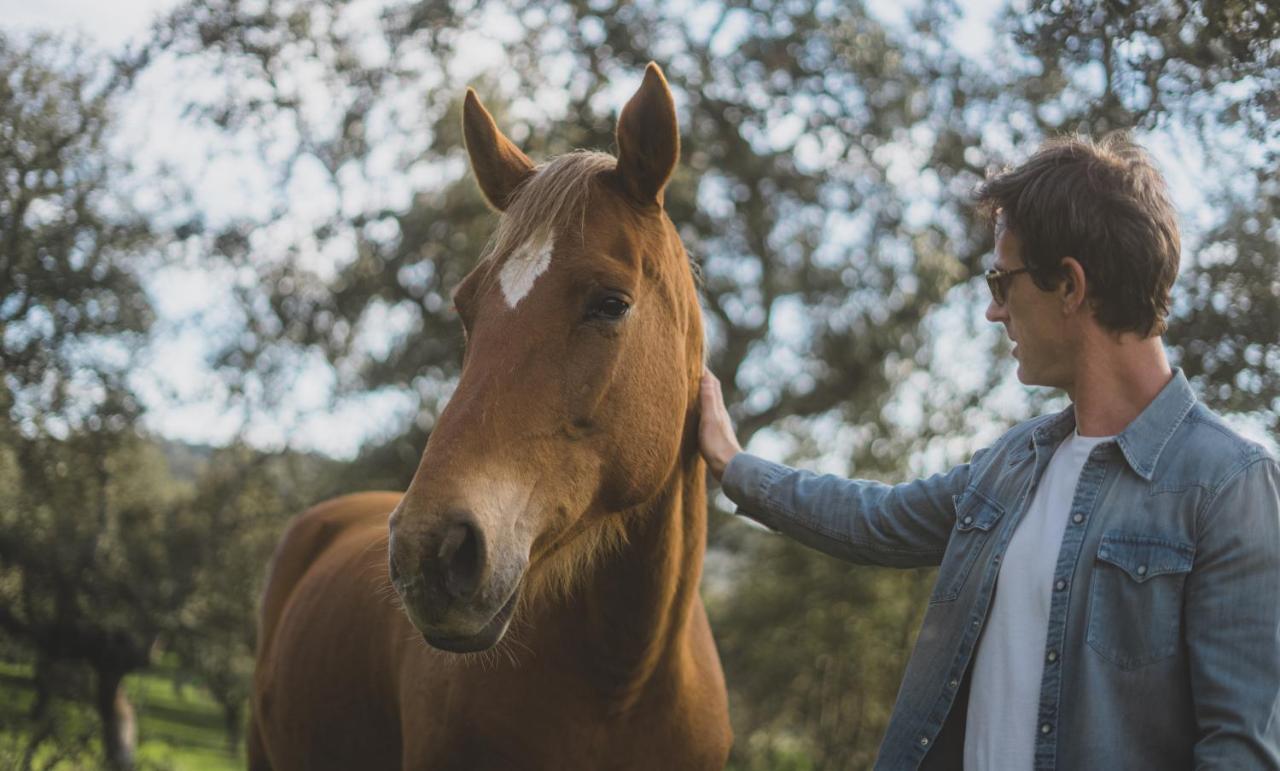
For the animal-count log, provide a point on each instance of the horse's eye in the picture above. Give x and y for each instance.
(610, 309)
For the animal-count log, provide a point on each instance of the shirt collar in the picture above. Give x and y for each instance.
(1056, 428)
(1144, 439)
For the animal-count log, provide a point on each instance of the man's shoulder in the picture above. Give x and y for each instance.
(1205, 448)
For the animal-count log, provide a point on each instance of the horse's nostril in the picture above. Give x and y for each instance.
(460, 556)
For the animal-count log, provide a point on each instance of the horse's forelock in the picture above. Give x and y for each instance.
(555, 196)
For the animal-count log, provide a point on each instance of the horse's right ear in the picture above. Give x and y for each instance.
(498, 164)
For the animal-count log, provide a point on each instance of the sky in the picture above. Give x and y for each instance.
(108, 23)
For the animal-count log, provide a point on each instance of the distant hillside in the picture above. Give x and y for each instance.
(385, 465)
(185, 460)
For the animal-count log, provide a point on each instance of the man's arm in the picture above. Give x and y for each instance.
(1232, 610)
(861, 521)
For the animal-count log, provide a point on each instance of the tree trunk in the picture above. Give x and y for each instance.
(119, 730)
(233, 719)
(43, 684)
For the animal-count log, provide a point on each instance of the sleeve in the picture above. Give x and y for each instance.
(905, 525)
(1232, 608)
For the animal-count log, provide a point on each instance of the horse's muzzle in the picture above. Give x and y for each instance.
(448, 586)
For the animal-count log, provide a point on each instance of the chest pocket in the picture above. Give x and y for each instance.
(1135, 602)
(976, 518)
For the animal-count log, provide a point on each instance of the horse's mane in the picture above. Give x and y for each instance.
(553, 196)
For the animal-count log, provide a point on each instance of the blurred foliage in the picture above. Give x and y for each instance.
(829, 148)
(83, 581)
(72, 305)
(245, 497)
(853, 630)
(104, 555)
(106, 558)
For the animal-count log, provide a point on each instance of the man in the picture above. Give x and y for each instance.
(1109, 587)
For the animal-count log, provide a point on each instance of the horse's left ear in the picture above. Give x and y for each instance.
(648, 138)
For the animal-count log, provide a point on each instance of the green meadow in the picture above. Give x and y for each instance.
(179, 726)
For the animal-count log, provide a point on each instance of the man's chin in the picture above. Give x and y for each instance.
(1043, 378)
(1027, 377)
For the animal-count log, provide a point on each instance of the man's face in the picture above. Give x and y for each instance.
(1033, 320)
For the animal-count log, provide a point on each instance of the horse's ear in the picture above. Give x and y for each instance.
(648, 138)
(498, 164)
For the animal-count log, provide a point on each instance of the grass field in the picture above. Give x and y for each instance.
(179, 726)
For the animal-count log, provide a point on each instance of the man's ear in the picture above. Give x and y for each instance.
(498, 164)
(1074, 286)
(648, 138)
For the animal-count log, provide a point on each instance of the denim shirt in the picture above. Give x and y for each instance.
(1163, 646)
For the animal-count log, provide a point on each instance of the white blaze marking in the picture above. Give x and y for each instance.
(524, 266)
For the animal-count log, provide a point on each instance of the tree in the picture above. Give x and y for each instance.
(94, 557)
(83, 579)
(243, 498)
(72, 306)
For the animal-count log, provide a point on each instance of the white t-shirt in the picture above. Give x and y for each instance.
(1004, 693)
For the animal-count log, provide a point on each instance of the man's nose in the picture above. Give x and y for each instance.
(996, 312)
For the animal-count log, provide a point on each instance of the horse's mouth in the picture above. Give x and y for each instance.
(486, 638)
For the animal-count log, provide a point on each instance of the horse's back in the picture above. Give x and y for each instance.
(324, 689)
(306, 538)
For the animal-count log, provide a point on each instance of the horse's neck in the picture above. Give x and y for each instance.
(632, 614)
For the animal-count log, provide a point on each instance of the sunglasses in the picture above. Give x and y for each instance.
(998, 282)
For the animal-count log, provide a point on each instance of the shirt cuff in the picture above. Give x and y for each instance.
(747, 481)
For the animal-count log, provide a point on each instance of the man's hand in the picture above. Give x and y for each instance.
(716, 438)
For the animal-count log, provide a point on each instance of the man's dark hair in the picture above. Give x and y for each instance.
(1104, 204)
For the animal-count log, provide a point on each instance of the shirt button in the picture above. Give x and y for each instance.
(968, 520)
(1078, 518)
(954, 683)
(1142, 570)
(1060, 584)
(1045, 728)
(1052, 657)
(924, 741)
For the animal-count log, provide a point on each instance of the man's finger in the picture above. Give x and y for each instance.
(712, 392)
(710, 386)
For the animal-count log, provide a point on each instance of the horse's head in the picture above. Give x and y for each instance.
(583, 354)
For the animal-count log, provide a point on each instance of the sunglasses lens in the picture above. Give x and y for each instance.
(996, 286)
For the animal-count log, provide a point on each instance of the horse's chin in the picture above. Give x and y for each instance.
(483, 640)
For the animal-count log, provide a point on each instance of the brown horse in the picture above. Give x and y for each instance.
(557, 519)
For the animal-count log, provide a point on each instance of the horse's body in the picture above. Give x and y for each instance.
(570, 505)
